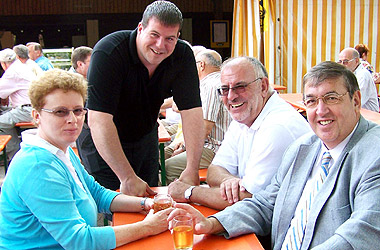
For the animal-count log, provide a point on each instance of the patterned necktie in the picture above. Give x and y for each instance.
(294, 236)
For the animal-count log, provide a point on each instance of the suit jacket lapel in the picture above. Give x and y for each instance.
(295, 181)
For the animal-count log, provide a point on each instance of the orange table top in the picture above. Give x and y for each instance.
(295, 99)
(164, 241)
(4, 139)
(278, 87)
(163, 135)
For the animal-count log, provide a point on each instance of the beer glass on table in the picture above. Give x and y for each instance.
(183, 232)
(161, 202)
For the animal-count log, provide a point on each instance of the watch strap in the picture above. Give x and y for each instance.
(189, 192)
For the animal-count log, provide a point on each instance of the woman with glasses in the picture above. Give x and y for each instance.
(48, 201)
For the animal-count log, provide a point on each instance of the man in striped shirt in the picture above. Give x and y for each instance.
(216, 117)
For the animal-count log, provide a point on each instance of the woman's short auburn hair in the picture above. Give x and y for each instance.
(52, 80)
(362, 49)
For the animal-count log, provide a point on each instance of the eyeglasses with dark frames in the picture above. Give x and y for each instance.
(63, 112)
(238, 89)
(345, 62)
(328, 99)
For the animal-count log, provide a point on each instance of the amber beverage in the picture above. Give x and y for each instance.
(161, 202)
(183, 232)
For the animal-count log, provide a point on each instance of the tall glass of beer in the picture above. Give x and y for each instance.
(183, 232)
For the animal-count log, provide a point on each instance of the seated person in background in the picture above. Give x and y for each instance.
(263, 126)
(172, 116)
(302, 207)
(61, 211)
(80, 60)
(215, 116)
(177, 142)
(14, 84)
(363, 54)
(22, 53)
(349, 57)
(175, 147)
(35, 53)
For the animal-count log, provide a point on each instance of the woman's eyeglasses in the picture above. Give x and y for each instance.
(63, 112)
(238, 89)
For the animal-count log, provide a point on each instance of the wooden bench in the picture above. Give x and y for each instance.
(203, 175)
(25, 125)
(4, 139)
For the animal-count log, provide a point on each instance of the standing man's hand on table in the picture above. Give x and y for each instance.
(136, 186)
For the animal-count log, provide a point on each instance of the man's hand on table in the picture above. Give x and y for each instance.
(177, 190)
(202, 225)
(136, 187)
(230, 189)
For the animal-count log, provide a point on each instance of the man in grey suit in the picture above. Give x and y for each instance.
(345, 212)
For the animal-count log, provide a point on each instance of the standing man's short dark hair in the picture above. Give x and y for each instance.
(165, 11)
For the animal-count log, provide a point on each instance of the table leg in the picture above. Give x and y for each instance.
(162, 159)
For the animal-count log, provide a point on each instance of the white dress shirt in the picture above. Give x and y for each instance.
(254, 153)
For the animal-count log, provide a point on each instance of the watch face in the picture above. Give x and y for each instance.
(188, 192)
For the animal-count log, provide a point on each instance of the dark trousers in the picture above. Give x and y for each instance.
(142, 155)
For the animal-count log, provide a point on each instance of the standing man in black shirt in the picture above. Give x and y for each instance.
(130, 75)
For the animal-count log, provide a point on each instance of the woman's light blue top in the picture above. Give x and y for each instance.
(41, 205)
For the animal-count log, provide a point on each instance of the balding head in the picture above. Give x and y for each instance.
(244, 88)
(349, 57)
(208, 61)
(197, 48)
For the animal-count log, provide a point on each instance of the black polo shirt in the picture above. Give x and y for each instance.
(119, 84)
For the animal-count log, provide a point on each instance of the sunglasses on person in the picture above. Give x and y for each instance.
(63, 112)
(238, 89)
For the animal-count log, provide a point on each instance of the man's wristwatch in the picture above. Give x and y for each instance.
(189, 192)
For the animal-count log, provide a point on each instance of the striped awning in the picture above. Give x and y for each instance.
(299, 34)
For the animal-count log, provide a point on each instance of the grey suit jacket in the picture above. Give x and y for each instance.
(346, 211)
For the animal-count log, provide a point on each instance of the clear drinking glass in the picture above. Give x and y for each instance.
(183, 232)
(161, 202)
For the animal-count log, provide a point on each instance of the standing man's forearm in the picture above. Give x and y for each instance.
(193, 131)
(107, 142)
